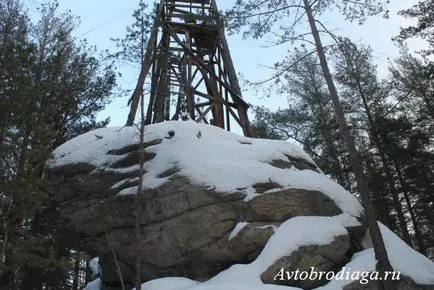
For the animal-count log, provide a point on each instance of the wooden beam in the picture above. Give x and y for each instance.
(203, 104)
(177, 6)
(235, 117)
(233, 80)
(202, 114)
(220, 100)
(160, 108)
(234, 94)
(198, 83)
(156, 72)
(188, 89)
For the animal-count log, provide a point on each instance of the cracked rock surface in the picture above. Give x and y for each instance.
(188, 229)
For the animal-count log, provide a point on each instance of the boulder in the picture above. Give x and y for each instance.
(209, 201)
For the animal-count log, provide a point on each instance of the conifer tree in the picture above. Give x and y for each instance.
(308, 119)
(423, 11)
(262, 17)
(358, 78)
(51, 90)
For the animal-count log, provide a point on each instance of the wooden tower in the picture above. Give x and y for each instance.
(191, 71)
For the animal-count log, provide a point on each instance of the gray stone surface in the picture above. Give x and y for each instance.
(287, 203)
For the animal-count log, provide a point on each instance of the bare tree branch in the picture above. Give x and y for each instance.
(118, 268)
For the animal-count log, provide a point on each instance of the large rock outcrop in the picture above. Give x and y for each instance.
(211, 199)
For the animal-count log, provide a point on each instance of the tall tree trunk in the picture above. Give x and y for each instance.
(380, 201)
(376, 140)
(395, 197)
(139, 198)
(383, 263)
(13, 222)
(328, 139)
(416, 226)
(4, 247)
(8, 265)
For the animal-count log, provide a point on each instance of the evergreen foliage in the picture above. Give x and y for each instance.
(51, 88)
(391, 121)
(423, 11)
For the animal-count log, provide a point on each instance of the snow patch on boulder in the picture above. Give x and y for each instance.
(215, 158)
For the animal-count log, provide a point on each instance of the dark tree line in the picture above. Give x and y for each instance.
(390, 119)
(51, 88)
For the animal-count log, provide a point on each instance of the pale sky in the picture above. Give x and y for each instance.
(105, 19)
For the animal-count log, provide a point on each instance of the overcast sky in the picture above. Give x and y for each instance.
(105, 19)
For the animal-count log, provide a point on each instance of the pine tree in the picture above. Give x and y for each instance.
(136, 48)
(262, 16)
(414, 78)
(408, 148)
(423, 11)
(413, 85)
(52, 88)
(412, 154)
(358, 78)
(308, 119)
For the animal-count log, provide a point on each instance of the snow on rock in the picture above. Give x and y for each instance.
(94, 285)
(228, 162)
(92, 146)
(170, 283)
(302, 231)
(94, 266)
(237, 229)
(309, 231)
